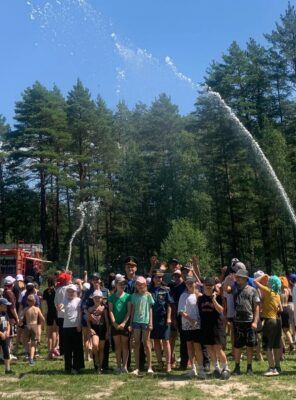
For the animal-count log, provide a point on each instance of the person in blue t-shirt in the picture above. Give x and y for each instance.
(161, 313)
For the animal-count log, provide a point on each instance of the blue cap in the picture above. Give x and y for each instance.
(4, 302)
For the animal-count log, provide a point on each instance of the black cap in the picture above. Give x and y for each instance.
(131, 260)
(208, 281)
(173, 260)
(29, 279)
(190, 279)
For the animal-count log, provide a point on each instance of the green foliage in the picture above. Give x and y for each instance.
(184, 241)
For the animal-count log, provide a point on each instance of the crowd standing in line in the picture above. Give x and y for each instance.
(140, 314)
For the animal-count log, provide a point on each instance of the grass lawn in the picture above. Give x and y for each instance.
(46, 380)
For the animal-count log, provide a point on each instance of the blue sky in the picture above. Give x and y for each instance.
(118, 47)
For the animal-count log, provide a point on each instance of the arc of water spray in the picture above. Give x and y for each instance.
(242, 129)
(256, 148)
(81, 208)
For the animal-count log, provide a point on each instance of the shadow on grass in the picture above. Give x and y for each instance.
(51, 372)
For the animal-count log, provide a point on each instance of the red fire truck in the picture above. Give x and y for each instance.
(21, 258)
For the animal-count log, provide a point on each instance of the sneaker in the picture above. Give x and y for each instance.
(250, 372)
(192, 373)
(124, 370)
(217, 373)
(150, 371)
(278, 368)
(236, 371)
(271, 372)
(74, 371)
(117, 370)
(31, 363)
(9, 372)
(201, 374)
(135, 372)
(207, 367)
(225, 374)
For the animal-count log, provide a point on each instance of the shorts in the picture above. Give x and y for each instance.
(51, 319)
(212, 335)
(244, 335)
(272, 332)
(5, 349)
(140, 326)
(161, 332)
(192, 335)
(259, 326)
(31, 332)
(119, 332)
(100, 330)
(285, 316)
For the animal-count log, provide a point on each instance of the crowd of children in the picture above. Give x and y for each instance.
(138, 314)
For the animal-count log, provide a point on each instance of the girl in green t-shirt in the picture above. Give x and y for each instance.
(119, 312)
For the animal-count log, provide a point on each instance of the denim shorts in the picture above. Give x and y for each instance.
(140, 326)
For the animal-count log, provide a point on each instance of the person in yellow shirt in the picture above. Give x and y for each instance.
(272, 328)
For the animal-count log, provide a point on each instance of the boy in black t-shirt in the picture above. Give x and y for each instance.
(4, 333)
(212, 328)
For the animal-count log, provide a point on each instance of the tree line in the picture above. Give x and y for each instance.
(178, 185)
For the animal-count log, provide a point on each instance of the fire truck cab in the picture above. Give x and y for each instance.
(20, 258)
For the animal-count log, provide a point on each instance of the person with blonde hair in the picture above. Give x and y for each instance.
(188, 310)
(142, 322)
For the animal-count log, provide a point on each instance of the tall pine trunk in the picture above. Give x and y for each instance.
(43, 216)
(56, 242)
(2, 205)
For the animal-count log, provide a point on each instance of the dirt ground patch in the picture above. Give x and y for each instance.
(9, 380)
(42, 395)
(103, 392)
(230, 389)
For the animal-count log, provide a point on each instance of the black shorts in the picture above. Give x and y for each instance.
(211, 335)
(244, 335)
(100, 330)
(192, 335)
(285, 316)
(5, 349)
(161, 332)
(119, 332)
(272, 332)
(51, 318)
